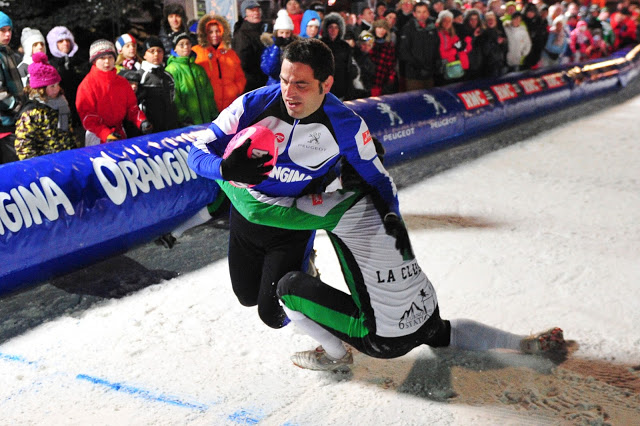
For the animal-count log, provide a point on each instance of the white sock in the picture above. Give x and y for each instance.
(473, 336)
(199, 218)
(332, 345)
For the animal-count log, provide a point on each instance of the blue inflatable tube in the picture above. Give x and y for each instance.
(65, 211)
(414, 123)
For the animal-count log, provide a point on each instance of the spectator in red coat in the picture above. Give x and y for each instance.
(105, 99)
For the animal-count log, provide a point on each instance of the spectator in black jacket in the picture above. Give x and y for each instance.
(246, 43)
(494, 46)
(419, 49)
(333, 29)
(158, 86)
(538, 32)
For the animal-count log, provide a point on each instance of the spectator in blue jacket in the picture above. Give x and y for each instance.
(275, 43)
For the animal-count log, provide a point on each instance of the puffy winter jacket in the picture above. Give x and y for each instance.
(194, 98)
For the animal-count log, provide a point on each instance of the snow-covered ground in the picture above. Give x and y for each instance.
(542, 233)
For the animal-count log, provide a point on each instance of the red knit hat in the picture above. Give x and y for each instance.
(41, 74)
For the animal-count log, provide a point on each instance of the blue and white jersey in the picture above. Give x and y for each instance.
(309, 149)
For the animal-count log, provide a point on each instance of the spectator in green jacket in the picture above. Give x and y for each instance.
(193, 92)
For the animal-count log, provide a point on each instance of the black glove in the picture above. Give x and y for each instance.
(146, 127)
(238, 167)
(394, 226)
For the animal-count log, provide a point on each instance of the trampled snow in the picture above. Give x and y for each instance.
(542, 233)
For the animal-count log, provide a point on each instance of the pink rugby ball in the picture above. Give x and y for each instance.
(263, 142)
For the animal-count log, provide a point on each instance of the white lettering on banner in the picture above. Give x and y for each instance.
(553, 80)
(530, 85)
(28, 204)
(474, 99)
(142, 174)
(399, 134)
(443, 122)
(504, 91)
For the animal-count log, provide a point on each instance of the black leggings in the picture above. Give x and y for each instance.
(340, 307)
(258, 257)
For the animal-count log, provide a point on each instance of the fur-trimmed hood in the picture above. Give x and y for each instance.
(202, 30)
(333, 18)
(173, 9)
(268, 39)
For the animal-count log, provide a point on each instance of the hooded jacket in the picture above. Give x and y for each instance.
(221, 64)
(345, 70)
(194, 97)
(306, 18)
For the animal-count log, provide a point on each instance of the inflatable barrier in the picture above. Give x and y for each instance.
(415, 123)
(65, 211)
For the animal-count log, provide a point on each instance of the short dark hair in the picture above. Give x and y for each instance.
(312, 52)
(420, 4)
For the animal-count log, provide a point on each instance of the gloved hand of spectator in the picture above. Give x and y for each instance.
(459, 46)
(395, 227)
(146, 127)
(238, 167)
(376, 91)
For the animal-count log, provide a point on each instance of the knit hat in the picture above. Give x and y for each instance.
(28, 38)
(179, 37)
(444, 14)
(60, 33)
(124, 39)
(5, 21)
(248, 4)
(100, 48)
(283, 21)
(150, 42)
(41, 74)
(314, 22)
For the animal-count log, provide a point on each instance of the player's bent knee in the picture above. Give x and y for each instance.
(287, 282)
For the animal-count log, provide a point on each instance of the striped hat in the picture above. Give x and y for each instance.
(100, 48)
(124, 39)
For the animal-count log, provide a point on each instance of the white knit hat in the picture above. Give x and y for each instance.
(28, 38)
(283, 21)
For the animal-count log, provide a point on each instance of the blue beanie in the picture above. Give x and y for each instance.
(5, 21)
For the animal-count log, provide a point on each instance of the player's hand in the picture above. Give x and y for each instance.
(238, 167)
(395, 227)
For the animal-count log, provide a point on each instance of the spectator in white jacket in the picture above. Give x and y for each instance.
(518, 40)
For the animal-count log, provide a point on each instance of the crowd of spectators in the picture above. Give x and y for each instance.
(51, 99)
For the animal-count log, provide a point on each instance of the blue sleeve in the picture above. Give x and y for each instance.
(204, 164)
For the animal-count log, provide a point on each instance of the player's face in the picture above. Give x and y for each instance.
(301, 92)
